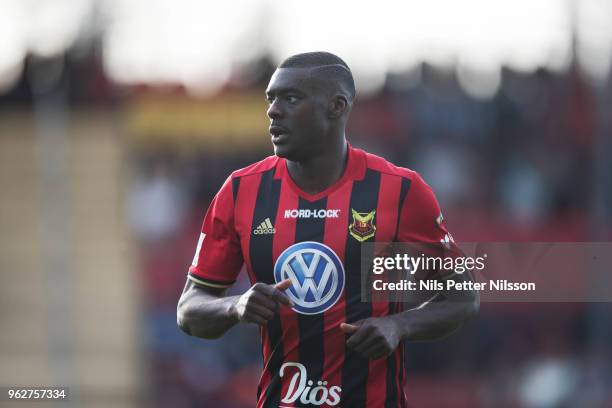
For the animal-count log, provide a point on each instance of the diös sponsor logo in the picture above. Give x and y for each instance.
(306, 391)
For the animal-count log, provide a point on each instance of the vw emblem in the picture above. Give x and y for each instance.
(316, 273)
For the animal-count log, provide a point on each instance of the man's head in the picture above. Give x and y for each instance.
(310, 98)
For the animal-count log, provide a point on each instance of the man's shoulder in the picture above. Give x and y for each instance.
(382, 165)
(257, 167)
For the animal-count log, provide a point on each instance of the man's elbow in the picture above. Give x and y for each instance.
(182, 319)
(186, 317)
(190, 323)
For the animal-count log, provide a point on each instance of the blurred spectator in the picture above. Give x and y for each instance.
(156, 204)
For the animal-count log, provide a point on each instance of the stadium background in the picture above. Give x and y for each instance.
(120, 120)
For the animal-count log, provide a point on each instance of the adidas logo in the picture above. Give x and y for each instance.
(265, 227)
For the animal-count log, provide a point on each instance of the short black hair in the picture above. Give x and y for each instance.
(333, 67)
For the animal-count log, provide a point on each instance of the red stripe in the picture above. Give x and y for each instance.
(265, 377)
(284, 238)
(244, 209)
(335, 238)
(386, 221)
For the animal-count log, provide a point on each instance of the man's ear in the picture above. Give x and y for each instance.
(338, 106)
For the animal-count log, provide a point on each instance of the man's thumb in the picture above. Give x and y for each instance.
(348, 328)
(283, 285)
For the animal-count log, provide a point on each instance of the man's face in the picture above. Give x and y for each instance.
(298, 113)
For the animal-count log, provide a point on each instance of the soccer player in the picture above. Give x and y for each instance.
(296, 220)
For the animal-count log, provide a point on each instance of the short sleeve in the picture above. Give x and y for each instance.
(218, 257)
(421, 219)
(422, 224)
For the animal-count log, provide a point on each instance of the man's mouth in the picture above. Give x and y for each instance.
(276, 130)
(278, 133)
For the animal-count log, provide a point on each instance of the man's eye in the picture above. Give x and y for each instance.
(292, 99)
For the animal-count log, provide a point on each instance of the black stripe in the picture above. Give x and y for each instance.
(261, 351)
(394, 307)
(364, 199)
(311, 327)
(403, 192)
(260, 251)
(235, 187)
(260, 247)
(392, 368)
(391, 398)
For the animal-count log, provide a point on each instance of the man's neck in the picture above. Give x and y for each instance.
(318, 173)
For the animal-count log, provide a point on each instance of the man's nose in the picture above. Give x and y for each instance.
(274, 110)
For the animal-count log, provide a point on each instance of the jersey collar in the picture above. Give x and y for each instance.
(355, 170)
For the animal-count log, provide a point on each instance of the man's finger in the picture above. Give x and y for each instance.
(367, 343)
(372, 349)
(258, 320)
(378, 354)
(357, 339)
(348, 328)
(262, 311)
(265, 301)
(281, 297)
(283, 285)
(279, 294)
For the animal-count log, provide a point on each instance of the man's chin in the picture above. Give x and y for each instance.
(282, 151)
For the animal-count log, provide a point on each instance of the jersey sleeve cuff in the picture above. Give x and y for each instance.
(210, 282)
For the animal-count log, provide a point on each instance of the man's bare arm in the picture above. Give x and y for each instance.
(440, 316)
(435, 319)
(445, 312)
(207, 313)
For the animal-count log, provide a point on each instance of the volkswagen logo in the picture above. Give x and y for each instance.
(316, 274)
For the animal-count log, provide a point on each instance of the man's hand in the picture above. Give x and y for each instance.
(261, 302)
(375, 337)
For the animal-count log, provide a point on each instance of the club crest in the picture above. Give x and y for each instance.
(362, 227)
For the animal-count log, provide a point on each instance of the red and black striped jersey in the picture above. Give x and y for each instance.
(261, 218)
